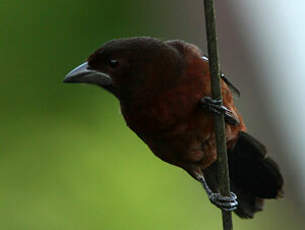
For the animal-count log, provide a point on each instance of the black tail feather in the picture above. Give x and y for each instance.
(254, 176)
(252, 170)
(248, 204)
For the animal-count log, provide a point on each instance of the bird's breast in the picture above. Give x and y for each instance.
(164, 113)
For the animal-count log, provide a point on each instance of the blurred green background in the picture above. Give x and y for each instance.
(67, 159)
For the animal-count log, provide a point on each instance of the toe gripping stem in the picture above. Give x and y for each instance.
(215, 106)
(226, 203)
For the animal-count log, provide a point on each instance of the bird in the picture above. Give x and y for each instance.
(164, 90)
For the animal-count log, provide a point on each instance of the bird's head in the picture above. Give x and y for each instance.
(131, 67)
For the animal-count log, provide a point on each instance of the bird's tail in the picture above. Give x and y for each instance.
(254, 176)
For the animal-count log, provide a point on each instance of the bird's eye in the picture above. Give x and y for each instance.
(113, 63)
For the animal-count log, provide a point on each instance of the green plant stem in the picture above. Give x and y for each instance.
(222, 159)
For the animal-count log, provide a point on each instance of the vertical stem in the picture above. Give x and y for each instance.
(219, 124)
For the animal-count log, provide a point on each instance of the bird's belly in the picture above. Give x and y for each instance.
(183, 147)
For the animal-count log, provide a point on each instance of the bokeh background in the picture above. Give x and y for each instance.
(68, 161)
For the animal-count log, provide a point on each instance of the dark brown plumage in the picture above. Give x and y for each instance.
(159, 86)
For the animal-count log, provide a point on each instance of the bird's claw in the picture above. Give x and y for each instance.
(215, 106)
(233, 88)
(226, 203)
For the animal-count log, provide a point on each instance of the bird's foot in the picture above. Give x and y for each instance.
(233, 88)
(215, 106)
(226, 203)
